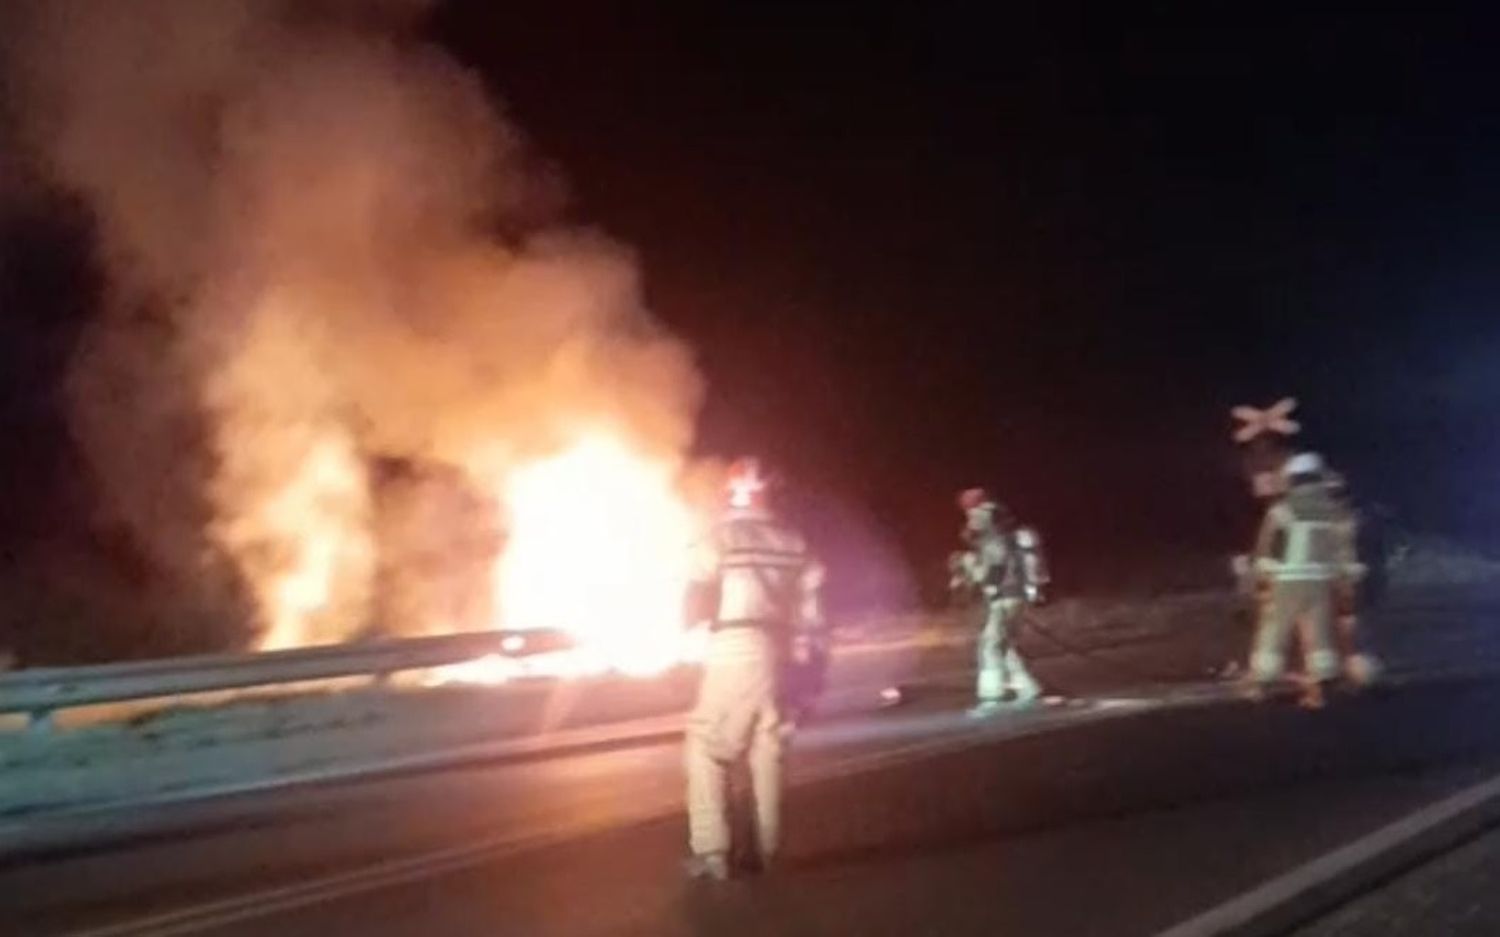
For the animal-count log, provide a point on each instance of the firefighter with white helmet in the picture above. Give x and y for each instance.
(995, 567)
(1306, 553)
(764, 586)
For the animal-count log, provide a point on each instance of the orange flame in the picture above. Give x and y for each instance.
(311, 542)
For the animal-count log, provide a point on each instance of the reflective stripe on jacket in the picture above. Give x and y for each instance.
(763, 571)
(1307, 535)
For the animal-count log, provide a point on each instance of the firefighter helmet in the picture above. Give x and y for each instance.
(971, 499)
(748, 483)
(1304, 463)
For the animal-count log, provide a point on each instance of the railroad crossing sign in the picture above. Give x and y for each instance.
(1264, 434)
(1274, 419)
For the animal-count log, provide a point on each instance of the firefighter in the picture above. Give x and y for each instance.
(765, 585)
(1306, 553)
(994, 568)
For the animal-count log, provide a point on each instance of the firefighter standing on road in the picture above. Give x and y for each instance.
(1306, 552)
(995, 567)
(764, 586)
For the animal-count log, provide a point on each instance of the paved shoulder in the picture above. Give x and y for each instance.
(1456, 894)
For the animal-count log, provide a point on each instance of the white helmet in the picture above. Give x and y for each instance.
(1303, 463)
(1027, 539)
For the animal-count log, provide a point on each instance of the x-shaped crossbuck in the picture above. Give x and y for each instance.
(1274, 419)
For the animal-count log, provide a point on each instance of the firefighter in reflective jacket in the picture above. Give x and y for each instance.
(1305, 553)
(995, 568)
(765, 586)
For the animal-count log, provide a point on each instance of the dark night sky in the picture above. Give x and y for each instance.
(919, 250)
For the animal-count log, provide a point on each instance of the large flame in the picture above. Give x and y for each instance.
(599, 546)
(309, 516)
(298, 213)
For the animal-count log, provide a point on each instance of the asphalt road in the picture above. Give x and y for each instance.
(1456, 894)
(913, 822)
(356, 733)
(279, 839)
(1112, 819)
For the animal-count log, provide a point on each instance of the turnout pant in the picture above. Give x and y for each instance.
(1000, 666)
(1301, 608)
(1362, 664)
(736, 716)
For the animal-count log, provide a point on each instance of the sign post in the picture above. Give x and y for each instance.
(1264, 434)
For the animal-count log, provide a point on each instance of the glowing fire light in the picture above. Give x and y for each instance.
(598, 546)
(309, 519)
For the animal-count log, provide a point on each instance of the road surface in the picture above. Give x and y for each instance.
(260, 743)
(1120, 818)
(1456, 894)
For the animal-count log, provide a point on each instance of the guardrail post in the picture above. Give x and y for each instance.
(40, 722)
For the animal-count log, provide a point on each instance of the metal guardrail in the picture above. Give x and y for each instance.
(40, 692)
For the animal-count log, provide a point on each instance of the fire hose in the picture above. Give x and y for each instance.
(961, 584)
(1033, 623)
(896, 695)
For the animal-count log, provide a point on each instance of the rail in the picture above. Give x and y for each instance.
(40, 692)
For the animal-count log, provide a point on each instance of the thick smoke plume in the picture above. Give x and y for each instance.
(324, 246)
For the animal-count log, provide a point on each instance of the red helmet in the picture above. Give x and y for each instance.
(747, 484)
(972, 498)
